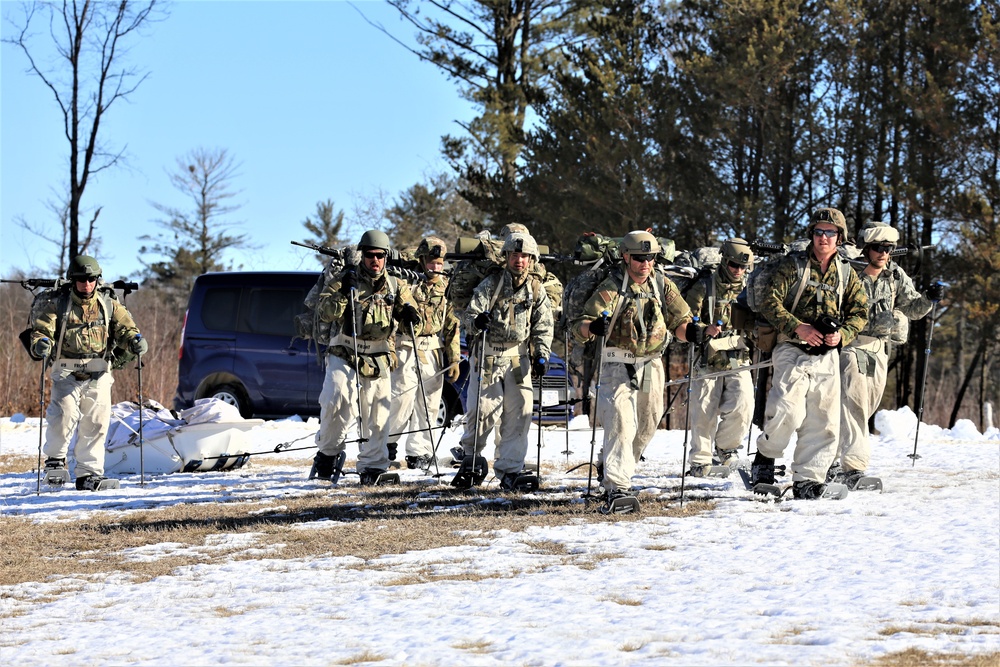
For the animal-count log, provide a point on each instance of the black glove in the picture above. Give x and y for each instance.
(599, 327)
(41, 348)
(539, 366)
(483, 321)
(936, 291)
(695, 333)
(409, 315)
(348, 282)
(138, 345)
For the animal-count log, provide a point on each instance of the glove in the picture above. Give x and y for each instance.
(452, 372)
(695, 333)
(599, 327)
(348, 282)
(936, 291)
(538, 367)
(409, 315)
(138, 345)
(483, 321)
(41, 348)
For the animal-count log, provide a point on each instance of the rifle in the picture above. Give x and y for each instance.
(475, 256)
(408, 270)
(29, 284)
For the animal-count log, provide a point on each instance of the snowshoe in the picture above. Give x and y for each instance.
(96, 483)
(471, 473)
(376, 477)
(728, 457)
(807, 489)
(760, 478)
(619, 502)
(709, 471)
(857, 480)
(55, 472)
(328, 467)
(457, 456)
(393, 451)
(525, 481)
(419, 462)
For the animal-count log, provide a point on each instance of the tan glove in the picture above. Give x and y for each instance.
(452, 372)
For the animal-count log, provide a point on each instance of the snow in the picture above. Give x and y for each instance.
(747, 583)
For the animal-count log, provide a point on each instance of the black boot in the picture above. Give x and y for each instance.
(762, 470)
(471, 473)
(807, 489)
(322, 467)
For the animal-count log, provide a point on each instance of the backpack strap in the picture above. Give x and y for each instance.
(65, 303)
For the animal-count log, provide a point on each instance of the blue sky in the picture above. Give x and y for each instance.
(313, 102)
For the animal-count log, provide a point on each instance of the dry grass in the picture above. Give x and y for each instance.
(17, 463)
(387, 520)
(912, 657)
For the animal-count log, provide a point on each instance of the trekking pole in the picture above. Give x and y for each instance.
(142, 463)
(923, 382)
(687, 416)
(41, 415)
(357, 369)
(479, 398)
(423, 392)
(538, 472)
(569, 406)
(597, 392)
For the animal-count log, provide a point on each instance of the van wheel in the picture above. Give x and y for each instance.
(449, 407)
(234, 396)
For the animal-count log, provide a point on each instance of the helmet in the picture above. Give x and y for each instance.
(640, 243)
(513, 228)
(432, 248)
(83, 266)
(832, 216)
(737, 251)
(523, 243)
(373, 238)
(877, 232)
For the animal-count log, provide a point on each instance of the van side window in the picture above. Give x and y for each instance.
(271, 311)
(218, 310)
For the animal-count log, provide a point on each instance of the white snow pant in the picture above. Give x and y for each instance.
(721, 410)
(338, 413)
(862, 394)
(804, 401)
(505, 398)
(629, 409)
(408, 412)
(83, 407)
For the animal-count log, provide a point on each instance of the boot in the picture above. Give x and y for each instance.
(471, 473)
(762, 470)
(808, 490)
(369, 476)
(729, 457)
(322, 467)
(393, 450)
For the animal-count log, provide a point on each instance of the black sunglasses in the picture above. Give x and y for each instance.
(87, 279)
(374, 255)
(642, 258)
(734, 266)
(884, 247)
(828, 233)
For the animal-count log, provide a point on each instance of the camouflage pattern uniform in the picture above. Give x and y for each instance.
(80, 401)
(521, 330)
(805, 389)
(864, 362)
(721, 407)
(379, 300)
(438, 347)
(630, 398)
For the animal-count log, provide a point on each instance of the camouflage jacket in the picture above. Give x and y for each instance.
(646, 319)
(379, 301)
(88, 332)
(519, 314)
(437, 317)
(819, 297)
(724, 294)
(891, 290)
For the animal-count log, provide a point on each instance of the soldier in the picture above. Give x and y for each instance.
(362, 306)
(86, 327)
(511, 315)
(864, 362)
(722, 407)
(817, 304)
(438, 353)
(643, 310)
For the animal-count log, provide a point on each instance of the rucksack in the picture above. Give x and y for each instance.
(691, 266)
(59, 293)
(481, 256)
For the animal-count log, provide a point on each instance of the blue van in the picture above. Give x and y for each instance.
(238, 344)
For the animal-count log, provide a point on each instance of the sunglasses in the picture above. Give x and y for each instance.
(736, 267)
(89, 279)
(883, 248)
(374, 255)
(828, 233)
(643, 258)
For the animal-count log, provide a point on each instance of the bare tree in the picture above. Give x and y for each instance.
(81, 66)
(197, 237)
